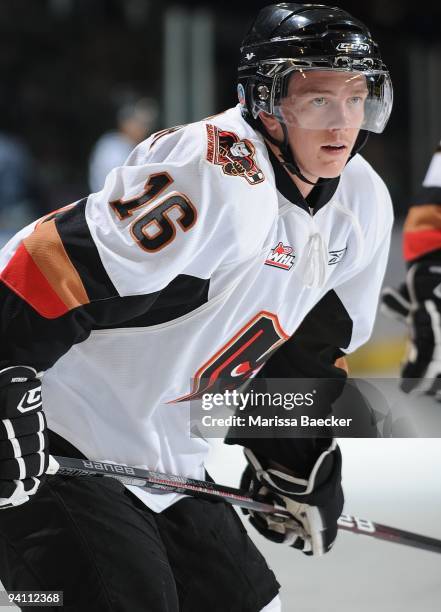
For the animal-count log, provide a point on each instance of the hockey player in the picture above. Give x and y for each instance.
(257, 232)
(417, 302)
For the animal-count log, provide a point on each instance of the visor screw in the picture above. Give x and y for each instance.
(263, 92)
(342, 62)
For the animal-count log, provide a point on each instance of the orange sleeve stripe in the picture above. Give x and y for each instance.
(342, 363)
(42, 274)
(423, 217)
(417, 244)
(46, 249)
(24, 278)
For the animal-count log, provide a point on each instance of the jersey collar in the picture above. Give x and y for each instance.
(319, 196)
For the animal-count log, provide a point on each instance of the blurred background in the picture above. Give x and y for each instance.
(83, 81)
(68, 68)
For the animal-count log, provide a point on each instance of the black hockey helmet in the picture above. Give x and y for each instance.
(291, 37)
(287, 38)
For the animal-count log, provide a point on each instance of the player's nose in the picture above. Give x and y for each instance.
(339, 116)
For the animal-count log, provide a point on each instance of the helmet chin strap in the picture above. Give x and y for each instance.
(290, 163)
(288, 158)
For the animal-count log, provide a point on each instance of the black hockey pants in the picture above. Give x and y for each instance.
(95, 541)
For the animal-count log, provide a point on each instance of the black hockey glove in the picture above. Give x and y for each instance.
(395, 303)
(315, 503)
(421, 370)
(23, 438)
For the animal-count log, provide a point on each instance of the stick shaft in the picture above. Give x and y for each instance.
(157, 481)
(387, 533)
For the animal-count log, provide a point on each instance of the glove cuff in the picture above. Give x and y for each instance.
(289, 484)
(16, 374)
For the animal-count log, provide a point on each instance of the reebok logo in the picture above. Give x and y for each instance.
(336, 256)
(31, 400)
(281, 256)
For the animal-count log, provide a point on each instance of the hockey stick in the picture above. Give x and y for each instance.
(159, 482)
(390, 534)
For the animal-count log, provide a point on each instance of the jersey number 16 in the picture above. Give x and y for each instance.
(155, 229)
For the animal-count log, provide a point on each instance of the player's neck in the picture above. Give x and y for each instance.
(304, 188)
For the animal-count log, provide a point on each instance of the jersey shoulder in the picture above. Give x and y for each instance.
(236, 160)
(236, 151)
(224, 147)
(188, 200)
(430, 190)
(180, 143)
(433, 174)
(366, 192)
(224, 163)
(359, 173)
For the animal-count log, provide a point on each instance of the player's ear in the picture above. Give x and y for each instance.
(271, 124)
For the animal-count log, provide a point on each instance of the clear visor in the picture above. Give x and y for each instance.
(334, 99)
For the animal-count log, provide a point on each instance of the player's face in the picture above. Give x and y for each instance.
(323, 112)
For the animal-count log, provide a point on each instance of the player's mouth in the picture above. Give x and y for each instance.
(334, 148)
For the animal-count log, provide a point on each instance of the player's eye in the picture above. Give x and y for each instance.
(355, 100)
(321, 101)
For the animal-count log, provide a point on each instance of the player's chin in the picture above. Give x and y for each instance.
(332, 169)
(330, 175)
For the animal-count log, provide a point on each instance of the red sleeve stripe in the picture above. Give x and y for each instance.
(42, 274)
(418, 243)
(23, 277)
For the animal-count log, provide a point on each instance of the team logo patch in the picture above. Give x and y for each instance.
(281, 256)
(237, 157)
(336, 256)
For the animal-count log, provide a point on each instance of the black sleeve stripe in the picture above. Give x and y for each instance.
(81, 249)
(313, 348)
(183, 295)
(329, 321)
(29, 338)
(427, 195)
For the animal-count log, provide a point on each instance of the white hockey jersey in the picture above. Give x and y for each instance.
(197, 260)
(430, 191)
(433, 174)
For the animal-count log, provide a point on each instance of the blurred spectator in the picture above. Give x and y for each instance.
(18, 192)
(135, 122)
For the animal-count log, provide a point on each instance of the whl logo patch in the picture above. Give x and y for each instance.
(281, 256)
(31, 400)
